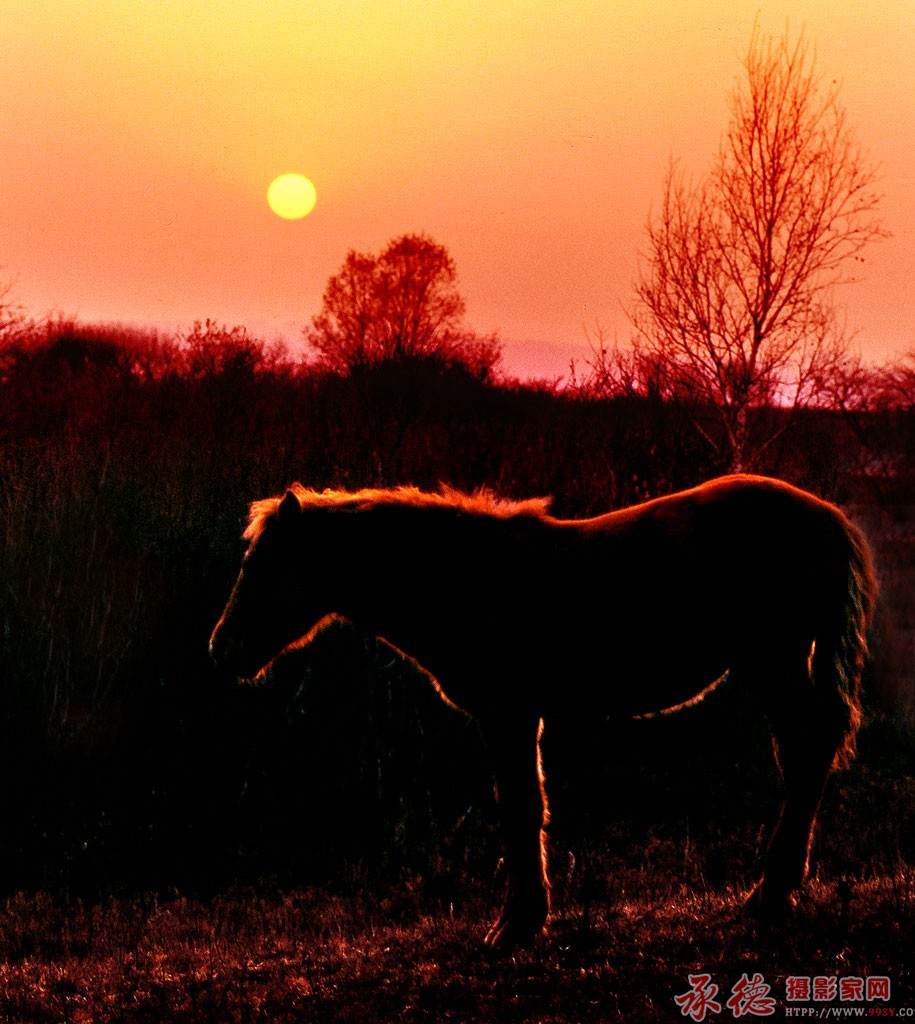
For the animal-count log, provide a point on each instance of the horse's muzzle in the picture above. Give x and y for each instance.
(231, 657)
(223, 652)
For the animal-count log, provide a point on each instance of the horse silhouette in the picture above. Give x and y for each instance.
(515, 614)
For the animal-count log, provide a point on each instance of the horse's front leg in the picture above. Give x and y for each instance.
(515, 750)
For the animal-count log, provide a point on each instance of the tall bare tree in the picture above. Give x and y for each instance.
(736, 301)
(400, 305)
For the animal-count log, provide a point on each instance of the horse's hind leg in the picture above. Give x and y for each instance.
(808, 729)
(515, 749)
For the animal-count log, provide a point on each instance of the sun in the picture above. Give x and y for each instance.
(291, 196)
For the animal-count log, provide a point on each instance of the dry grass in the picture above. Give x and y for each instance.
(315, 956)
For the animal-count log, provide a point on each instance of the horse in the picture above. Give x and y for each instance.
(516, 615)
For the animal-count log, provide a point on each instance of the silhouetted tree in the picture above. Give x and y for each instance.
(896, 382)
(214, 350)
(402, 305)
(14, 326)
(736, 301)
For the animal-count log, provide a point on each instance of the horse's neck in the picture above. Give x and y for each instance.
(396, 567)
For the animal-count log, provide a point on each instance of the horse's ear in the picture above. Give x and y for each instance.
(289, 509)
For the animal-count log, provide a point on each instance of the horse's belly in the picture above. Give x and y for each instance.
(638, 675)
(665, 691)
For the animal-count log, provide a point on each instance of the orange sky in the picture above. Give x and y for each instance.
(531, 138)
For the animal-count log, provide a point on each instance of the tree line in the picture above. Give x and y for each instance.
(735, 316)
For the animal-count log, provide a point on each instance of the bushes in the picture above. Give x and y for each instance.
(125, 474)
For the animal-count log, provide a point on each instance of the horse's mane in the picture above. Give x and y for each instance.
(481, 502)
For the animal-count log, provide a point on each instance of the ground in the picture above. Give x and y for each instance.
(315, 955)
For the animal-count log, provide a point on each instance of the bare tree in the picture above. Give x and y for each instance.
(15, 329)
(13, 321)
(736, 299)
(402, 304)
(214, 350)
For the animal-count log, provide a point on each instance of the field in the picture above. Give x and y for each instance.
(355, 955)
(175, 847)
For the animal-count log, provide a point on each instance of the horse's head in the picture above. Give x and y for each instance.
(272, 603)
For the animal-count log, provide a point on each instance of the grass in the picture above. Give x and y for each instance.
(353, 955)
(131, 768)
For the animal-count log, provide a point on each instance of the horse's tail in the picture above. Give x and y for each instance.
(841, 646)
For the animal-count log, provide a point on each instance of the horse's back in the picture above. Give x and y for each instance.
(737, 526)
(658, 600)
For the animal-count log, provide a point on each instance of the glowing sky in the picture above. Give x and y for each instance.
(531, 138)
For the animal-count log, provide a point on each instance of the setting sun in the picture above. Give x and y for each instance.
(138, 195)
(291, 196)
